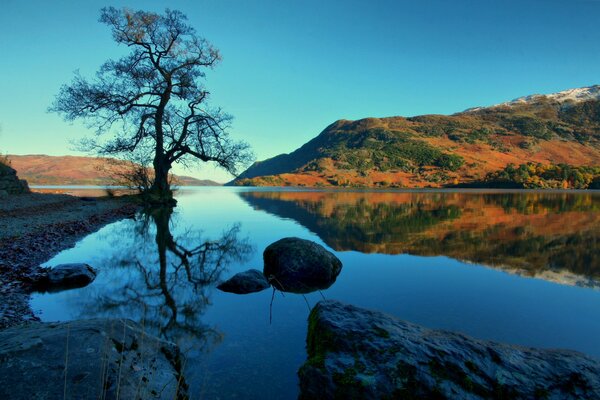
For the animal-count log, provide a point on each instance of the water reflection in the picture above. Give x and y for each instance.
(162, 281)
(301, 284)
(554, 236)
(256, 359)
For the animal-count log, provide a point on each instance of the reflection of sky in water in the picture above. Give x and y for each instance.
(258, 360)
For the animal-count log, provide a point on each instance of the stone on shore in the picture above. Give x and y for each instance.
(356, 353)
(250, 281)
(10, 182)
(86, 359)
(65, 276)
(300, 266)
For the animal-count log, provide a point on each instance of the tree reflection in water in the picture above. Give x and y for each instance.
(164, 284)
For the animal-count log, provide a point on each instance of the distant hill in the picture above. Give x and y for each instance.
(463, 149)
(76, 170)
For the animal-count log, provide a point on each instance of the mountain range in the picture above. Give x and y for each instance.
(554, 138)
(76, 170)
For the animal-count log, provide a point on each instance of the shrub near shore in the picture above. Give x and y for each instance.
(540, 176)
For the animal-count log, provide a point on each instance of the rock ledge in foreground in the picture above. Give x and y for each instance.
(356, 353)
(102, 358)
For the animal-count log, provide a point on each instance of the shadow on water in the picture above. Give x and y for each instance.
(553, 236)
(163, 282)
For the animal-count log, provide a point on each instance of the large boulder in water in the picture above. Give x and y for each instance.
(360, 354)
(250, 281)
(65, 276)
(87, 359)
(300, 266)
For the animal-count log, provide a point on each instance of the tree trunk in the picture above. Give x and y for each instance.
(161, 174)
(161, 192)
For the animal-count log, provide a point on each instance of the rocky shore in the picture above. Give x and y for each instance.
(87, 359)
(33, 228)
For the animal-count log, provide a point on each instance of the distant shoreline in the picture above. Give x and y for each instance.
(45, 170)
(99, 189)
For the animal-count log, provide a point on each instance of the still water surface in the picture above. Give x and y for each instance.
(521, 268)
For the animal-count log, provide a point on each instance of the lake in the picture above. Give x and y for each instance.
(516, 267)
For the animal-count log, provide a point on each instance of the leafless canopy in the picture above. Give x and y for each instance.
(153, 98)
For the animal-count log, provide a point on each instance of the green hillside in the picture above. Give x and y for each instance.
(467, 148)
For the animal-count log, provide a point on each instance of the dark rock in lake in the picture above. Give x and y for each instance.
(87, 359)
(250, 281)
(360, 354)
(65, 276)
(300, 266)
(71, 274)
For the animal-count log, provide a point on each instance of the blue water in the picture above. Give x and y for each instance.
(544, 295)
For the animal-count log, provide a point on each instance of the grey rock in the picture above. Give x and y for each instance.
(10, 183)
(250, 281)
(24, 186)
(300, 266)
(6, 170)
(75, 273)
(66, 276)
(87, 359)
(356, 353)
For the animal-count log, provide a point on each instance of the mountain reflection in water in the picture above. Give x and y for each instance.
(554, 236)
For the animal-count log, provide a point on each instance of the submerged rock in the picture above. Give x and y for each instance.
(87, 359)
(356, 353)
(300, 266)
(65, 276)
(250, 281)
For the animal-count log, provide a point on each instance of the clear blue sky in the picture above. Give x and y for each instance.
(290, 68)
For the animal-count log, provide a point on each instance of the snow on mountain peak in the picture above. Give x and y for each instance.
(576, 95)
(570, 95)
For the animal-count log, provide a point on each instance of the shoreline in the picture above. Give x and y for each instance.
(375, 189)
(34, 228)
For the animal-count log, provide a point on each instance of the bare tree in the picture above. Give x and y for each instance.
(153, 98)
(133, 172)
